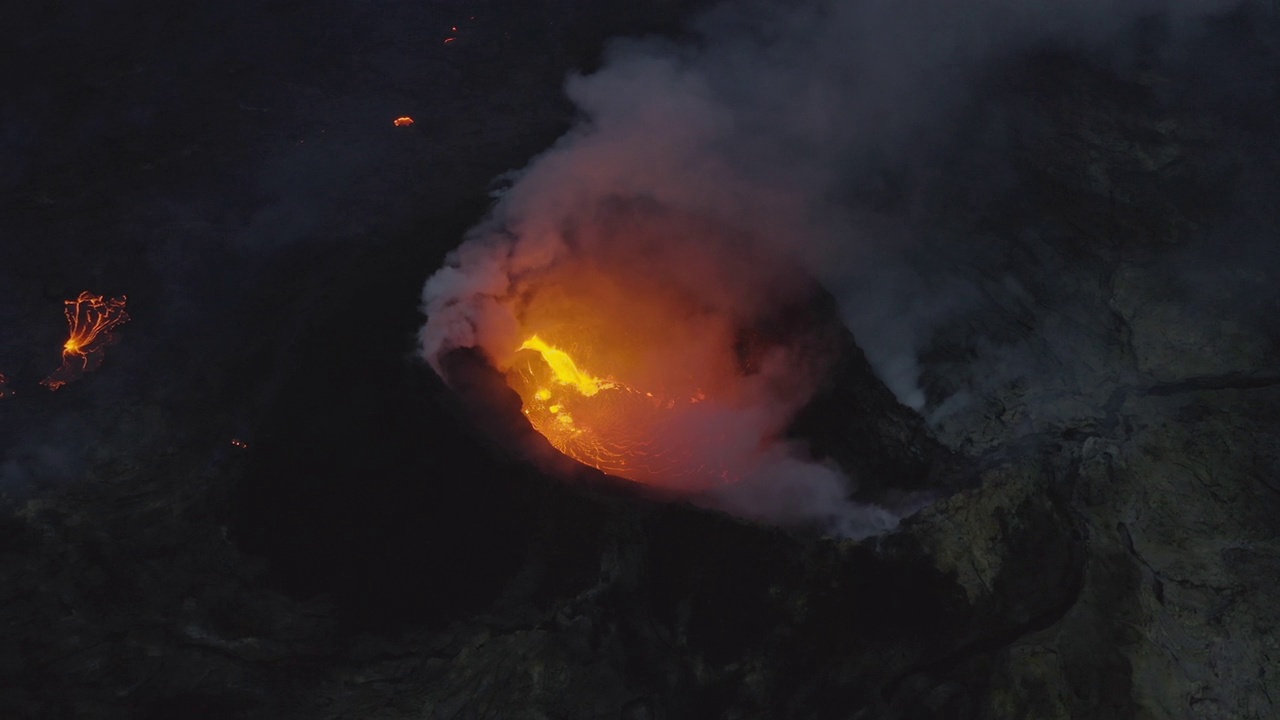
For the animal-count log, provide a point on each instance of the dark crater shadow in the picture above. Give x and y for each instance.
(366, 482)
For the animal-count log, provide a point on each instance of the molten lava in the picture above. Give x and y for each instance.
(90, 319)
(603, 422)
(405, 121)
(621, 371)
(565, 371)
(643, 342)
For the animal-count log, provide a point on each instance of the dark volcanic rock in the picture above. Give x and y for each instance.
(1106, 415)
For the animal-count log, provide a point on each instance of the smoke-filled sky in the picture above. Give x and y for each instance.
(792, 127)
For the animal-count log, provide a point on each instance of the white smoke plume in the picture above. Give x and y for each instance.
(775, 122)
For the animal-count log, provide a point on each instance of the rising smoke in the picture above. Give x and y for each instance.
(804, 130)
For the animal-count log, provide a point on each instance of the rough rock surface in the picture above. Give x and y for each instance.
(1138, 362)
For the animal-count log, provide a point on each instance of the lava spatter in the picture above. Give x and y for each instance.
(90, 320)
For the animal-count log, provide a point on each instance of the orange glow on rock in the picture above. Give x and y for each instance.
(403, 121)
(90, 320)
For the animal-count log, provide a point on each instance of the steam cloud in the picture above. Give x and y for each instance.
(781, 123)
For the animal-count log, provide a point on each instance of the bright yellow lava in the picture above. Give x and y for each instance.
(565, 371)
(606, 423)
(566, 404)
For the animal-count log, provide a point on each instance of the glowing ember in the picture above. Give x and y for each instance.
(403, 121)
(90, 318)
(237, 442)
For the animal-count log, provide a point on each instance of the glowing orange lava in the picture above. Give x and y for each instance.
(564, 370)
(649, 344)
(637, 395)
(403, 121)
(90, 319)
(597, 421)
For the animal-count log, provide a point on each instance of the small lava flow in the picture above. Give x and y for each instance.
(90, 320)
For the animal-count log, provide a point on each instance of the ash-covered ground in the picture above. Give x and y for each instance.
(1055, 244)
